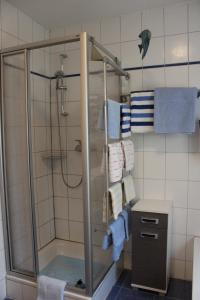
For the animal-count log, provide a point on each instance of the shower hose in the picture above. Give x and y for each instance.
(60, 146)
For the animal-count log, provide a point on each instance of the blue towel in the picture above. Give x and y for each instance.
(114, 109)
(125, 217)
(125, 120)
(118, 237)
(107, 241)
(175, 110)
(142, 111)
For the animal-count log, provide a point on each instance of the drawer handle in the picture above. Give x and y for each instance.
(149, 220)
(149, 235)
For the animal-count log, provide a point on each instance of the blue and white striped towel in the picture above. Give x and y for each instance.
(125, 120)
(142, 111)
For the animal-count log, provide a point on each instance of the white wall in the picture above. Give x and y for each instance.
(167, 166)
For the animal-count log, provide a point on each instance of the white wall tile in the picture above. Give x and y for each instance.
(93, 28)
(2, 289)
(155, 53)
(154, 165)
(38, 32)
(61, 208)
(76, 231)
(193, 195)
(76, 209)
(135, 81)
(178, 269)
(115, 49)
(62, 229)
(154, 142)
(138, 168)
(139, 184)
(25, 27)
(138, 140)
(194, 79)
(194, 45)
(193, 226)
(189, 247)
(174, 24)
(14, 290)
(194, 170)
(194, 12)
(8, 13)
(130, 55)
(8, 40)
(110, 30)
(153, 78)
(177, 166)
(75, 192)
(177, 191)
(29, 292)
(154, 189)
(152, 19)
(130, 26)
(176, 143)
(179, 220)
(188, 271)
(176, 48)
(178, 246)
(176, 76)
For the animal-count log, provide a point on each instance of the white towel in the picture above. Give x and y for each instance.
(50, 288)
(129, 188)
(128, 151)
(104, 209)
(116, 199)
(116, 162)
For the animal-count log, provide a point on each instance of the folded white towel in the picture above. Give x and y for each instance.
(116, 199)
(128, 150)
(129, 188)
(116, 162)
(104, 209)
(50, 288)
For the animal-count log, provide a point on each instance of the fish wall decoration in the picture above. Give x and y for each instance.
(145, 37)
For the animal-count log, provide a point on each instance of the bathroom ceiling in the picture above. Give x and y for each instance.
(55, 13)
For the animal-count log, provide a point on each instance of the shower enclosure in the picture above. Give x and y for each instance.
(53, 177)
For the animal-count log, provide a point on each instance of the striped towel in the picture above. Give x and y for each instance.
(142, 111)
(128, 151)
(116, 162)
(116, 199)
(125, 120)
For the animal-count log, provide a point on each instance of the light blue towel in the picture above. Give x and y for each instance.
(125, 217)
(174, 110)
(114, 110)
(118, 237)
(107, 241)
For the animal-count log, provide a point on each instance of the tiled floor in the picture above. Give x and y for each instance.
(178, 290)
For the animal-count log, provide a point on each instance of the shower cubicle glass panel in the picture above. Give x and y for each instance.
(101, 83)
(17, 183)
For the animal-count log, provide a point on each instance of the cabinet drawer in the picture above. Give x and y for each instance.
(151, 220)
(149, 254)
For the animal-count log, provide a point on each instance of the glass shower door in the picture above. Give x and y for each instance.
(16, 162)
(98, 82)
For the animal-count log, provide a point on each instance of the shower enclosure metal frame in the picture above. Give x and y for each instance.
(108, 59)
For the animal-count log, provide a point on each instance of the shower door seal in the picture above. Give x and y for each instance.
(3, 178)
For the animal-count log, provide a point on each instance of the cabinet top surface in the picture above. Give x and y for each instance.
(154, 206)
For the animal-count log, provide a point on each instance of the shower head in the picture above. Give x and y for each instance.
(60, 73)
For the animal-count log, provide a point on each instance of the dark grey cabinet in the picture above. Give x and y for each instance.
(151, 246)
